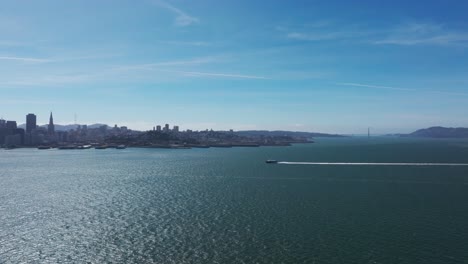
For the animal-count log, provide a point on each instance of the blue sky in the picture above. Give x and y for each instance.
(328, 66)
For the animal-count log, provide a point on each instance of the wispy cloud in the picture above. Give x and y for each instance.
(186, 43)
(99, 56)
(30, 102)
(54, 59)
(7, 43)
(182, 19)
(24, 59)
(407, 34)
(324, 30)
(156, 65)
(166, 71)
(400, 89)
(375, 86)
(49, 80)
(218, 75)
(315, 36)
(424, 34)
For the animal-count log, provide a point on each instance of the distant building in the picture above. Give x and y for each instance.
(166, 128)
(176, 129)
(30, 123)
(11, 125)
(158, 128)
(37, 139)
(2, 123)
(20, 132)
(103, 129)
(10, 134)
(13, 140)
(51, 127)
(62, 136)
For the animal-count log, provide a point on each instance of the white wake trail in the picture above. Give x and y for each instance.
(371, 164)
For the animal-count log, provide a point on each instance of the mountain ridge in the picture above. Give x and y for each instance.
(440, 132)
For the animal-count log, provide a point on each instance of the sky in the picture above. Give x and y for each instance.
(323, 66)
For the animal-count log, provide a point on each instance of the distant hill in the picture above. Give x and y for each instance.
(283, 133)
(440, 132)
(65, 127)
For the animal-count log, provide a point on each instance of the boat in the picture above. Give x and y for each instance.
(101, 147)
(271, 161)
(121, 147)
(43, 147)
(83, 147)
(67, 147)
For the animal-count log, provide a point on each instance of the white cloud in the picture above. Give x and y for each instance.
(313, 36)
(24, 59)
(7, 43)
(152, 72)
(219, 75)
(152, 66)
(55, 59)
(407, 34)
(424, 34)
(376, 86)
(325, 30)
(401, 89)
(182, 19)
(186, 43)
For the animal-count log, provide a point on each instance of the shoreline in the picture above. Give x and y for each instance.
(159, 146)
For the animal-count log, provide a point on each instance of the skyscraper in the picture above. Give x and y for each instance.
(51, 127)
(30, 122)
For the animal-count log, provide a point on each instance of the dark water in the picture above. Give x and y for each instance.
(228, 206)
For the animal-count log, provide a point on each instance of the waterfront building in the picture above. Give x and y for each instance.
(37, 138)
(103, 129)
(51, 127)
(11, 125)
(30, 123)
(3, 134)
(13, 140)
(62, 136)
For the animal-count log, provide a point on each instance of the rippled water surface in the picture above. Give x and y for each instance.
(228, 206)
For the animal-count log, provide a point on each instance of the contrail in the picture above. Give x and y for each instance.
(371, 164)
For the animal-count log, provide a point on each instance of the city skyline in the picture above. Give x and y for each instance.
(328, 67)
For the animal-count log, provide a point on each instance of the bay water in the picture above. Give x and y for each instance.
(226, 205)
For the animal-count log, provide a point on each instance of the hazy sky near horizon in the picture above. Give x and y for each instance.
(328, 66)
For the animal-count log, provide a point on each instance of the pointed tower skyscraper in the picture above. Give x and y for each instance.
(51, 127)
